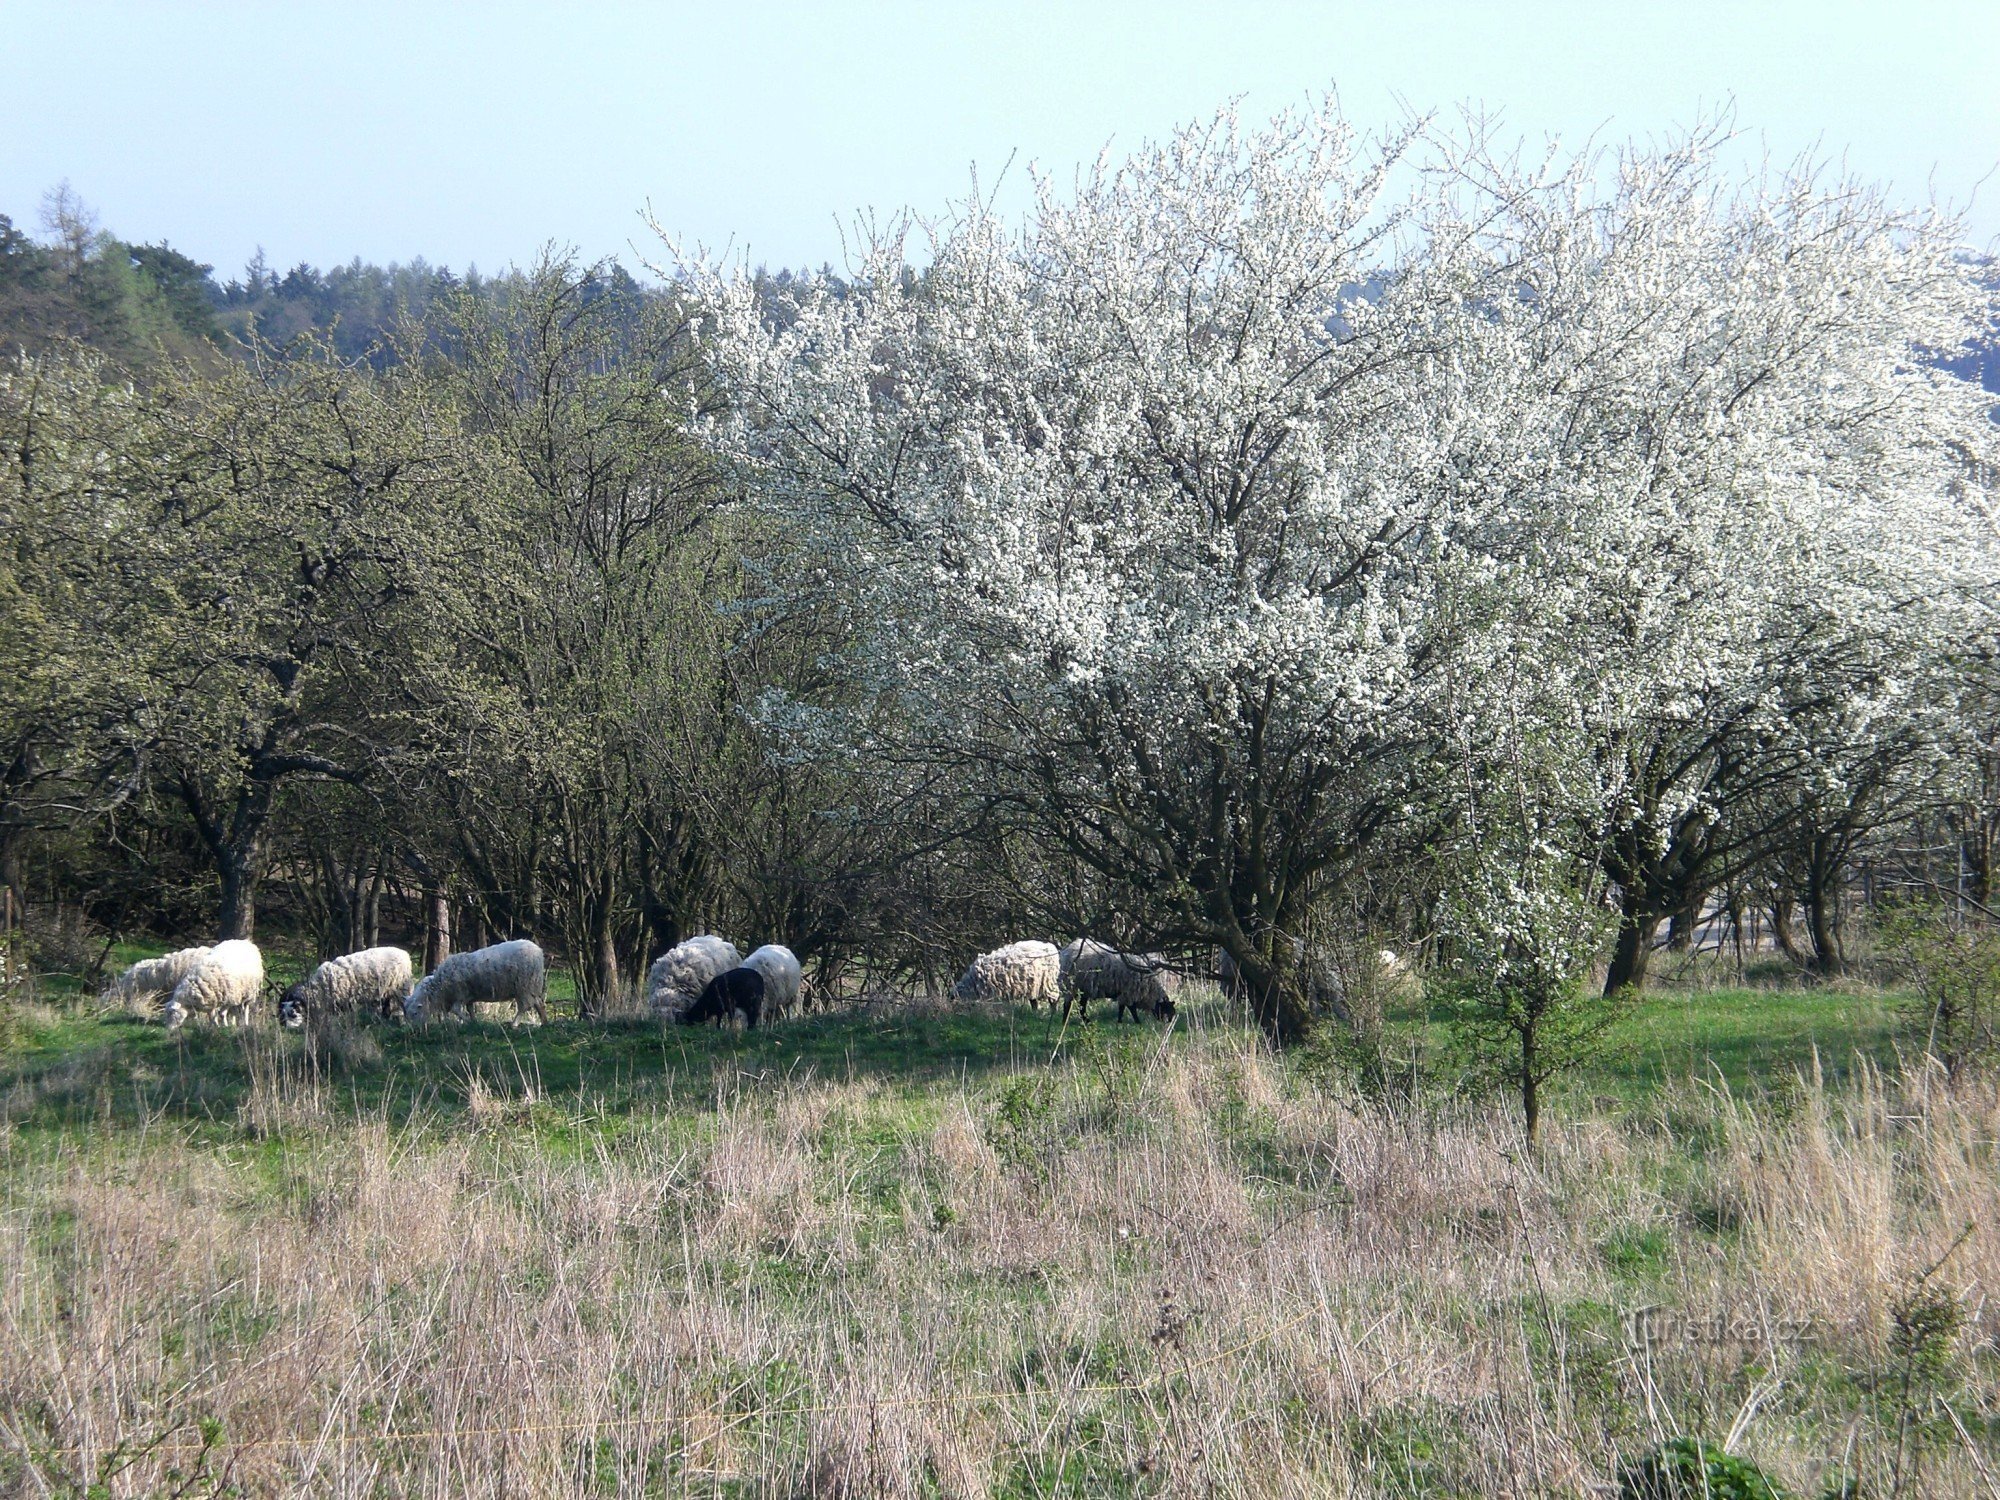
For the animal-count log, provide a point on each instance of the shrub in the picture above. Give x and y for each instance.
(1953, 963)
(1686, 1468)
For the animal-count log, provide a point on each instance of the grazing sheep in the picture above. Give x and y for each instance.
(679, 974)
(224, 985)
(782, 979)
(1025, 973)
(514, 971)
(153, 979)
(1096, 971)
(374, 979)
(732, 990)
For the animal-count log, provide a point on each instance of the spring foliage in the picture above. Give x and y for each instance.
(1206, 513)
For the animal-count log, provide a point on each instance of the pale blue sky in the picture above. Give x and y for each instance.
(474, 133)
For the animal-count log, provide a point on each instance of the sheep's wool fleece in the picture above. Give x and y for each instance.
(357, 981)
(1026, 972)
(780, 968)
(515, 971)
(226, 982)
(151, 978)
(678, 976)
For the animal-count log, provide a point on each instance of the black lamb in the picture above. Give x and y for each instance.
(730, 991)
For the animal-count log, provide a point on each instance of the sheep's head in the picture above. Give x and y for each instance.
(292, 1007)
(415, 1002)
(705, 1008)
(175, 1015)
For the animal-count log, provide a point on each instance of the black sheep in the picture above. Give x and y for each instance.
(1159, 1007)
(730, 991)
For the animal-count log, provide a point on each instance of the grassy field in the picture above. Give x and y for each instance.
(899, 1250)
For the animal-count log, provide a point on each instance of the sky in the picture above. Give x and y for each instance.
(476, 133)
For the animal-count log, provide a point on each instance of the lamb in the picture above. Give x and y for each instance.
(741, 988)
(679, 974)
(374, 979)
(1024, 973)
(1091, 970)
(225, 984)
(151, 980)
(782, 979)
(515, 971)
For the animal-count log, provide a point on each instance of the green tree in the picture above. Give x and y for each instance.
(298, 518)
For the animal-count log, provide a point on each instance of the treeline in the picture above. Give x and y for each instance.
(1614, 559)
(289, 633)
(140, 303)
(145, 304)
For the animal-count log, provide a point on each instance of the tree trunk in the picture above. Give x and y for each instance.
(1632, 954)
(1681, 926)
(607, 961)
(1531, 1088)
(602, 981)
(237, 915)
(437, 932)
(1781, 930)
(1977, 850)
(1822, 921)
(13, 879)
(1275, 1003)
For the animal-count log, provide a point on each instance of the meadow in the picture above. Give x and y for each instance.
(899, 1248)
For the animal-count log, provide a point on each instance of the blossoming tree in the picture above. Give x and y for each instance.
(1179, 523)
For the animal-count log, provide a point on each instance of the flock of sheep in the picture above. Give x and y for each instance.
(703, 979)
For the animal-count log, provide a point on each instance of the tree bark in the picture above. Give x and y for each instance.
(1531, 1088)
(1632, 953)
(437, 931)
(1782, 933)
(1275, 1003)
(1682, 925)
(237, 914)
(1822, 897)
(602, 982)
(13, 880)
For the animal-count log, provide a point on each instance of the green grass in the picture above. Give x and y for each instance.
(1750, 1036)
(1745, 1038)
(83, 1065)
(928, 1198)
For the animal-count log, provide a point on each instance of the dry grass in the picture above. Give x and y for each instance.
(1173, 1270)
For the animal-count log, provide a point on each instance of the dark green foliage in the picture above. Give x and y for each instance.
(183, 285)
(1022, 1130)
(1953, 963)
(137, 303)
(1686, 1468)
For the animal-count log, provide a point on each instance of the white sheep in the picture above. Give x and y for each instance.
(780, 968)
(374, 979)
(515, 971)
(224, 985)
(153, 979)
(1091, 970)
(678, 975)
(1024, 973)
